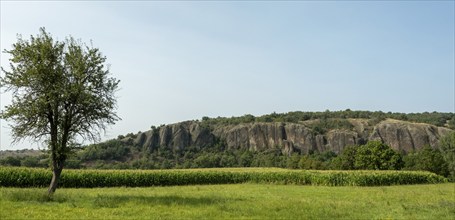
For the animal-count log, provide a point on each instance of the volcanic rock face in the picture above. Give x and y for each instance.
(292, 137)
(406, 136)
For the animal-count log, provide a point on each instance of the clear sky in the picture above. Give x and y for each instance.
(183, 60)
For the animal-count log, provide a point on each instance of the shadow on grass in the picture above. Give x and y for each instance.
(32, 195)
(109, 201)
(114, 201)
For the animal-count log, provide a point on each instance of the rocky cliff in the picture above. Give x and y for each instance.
(292, 137)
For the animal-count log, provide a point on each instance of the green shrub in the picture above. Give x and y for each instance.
(376, 155)
(428, 159)
(447, 146)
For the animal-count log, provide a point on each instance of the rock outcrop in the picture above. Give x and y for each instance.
(407, 136)
(292, 137)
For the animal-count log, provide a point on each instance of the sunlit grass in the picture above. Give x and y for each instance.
(32, 177)
(257, 201)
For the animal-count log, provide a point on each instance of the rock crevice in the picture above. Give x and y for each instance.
(292, 137)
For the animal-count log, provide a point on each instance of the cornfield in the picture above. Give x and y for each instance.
(35, 177)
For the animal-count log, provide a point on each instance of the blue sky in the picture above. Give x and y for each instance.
(183, 60)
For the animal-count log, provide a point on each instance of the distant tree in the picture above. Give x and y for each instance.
(248, 118)
(376, 155)
(451, 123)
(292, 162)
(207, 160)
(228, 159)
(30, 161)
(11, 161)
(109, 150)
(428, 159)
(73, 164)
(346, 160)
(61, 91)
(245, 158)
(309, 163)
(447, 146)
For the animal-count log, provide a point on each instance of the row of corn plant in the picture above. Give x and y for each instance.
(35, 177)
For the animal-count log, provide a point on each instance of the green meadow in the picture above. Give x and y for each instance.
(232, 201)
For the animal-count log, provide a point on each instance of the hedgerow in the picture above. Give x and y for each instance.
(37, 177)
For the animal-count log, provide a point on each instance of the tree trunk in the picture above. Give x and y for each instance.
(55, 178)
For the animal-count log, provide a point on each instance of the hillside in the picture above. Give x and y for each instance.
(319, 135)
(309, 140)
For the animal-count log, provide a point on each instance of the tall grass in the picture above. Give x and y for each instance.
(35, 177)
(233, 201)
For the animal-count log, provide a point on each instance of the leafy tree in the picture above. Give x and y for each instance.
(376, 155)
(245, 158)
(228, 159)
(30, 161)
(447, 146)
(61, 90)
(292, 162)
(207, 160)
(309, 163)
(428, 159)
(109, 150)
(346, 160)
(11, 161)
(451, 123)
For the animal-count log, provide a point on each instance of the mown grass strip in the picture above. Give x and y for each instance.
(35, 177)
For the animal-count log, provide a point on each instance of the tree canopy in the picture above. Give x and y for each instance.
(447, 145)
(61, 90)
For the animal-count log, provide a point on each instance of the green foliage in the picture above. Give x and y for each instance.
(447, 146)
(33, 177)
(131, 135)
(245, 158)
(11, 161)
(428, 159)
(73, 164)
(317, 161)
(346, 160)
(322, 126)
(207, 160)
(292, 162)
(109, 150)
(434, 118)
(27, 161)
(30, 162)
(268, 158)
(451, 123)
(374, 155)
(60, 84)
(61, 90)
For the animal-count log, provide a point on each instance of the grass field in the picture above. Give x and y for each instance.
(233, 201)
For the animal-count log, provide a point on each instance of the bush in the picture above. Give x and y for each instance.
(376, 155)
(447, 146)
(428, 159)
(109, 150)
(30, 161)
(11, 161)
(346, 160)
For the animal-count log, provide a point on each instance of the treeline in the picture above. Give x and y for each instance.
(373, 155)
(435, 118)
